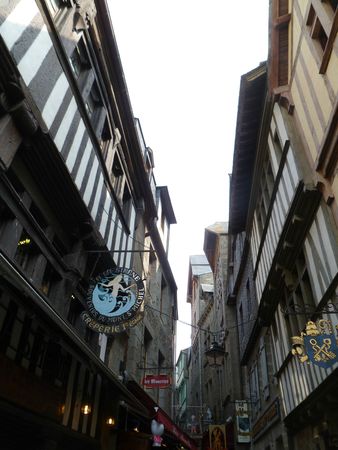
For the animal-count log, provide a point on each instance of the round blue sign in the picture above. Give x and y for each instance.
(115, 295)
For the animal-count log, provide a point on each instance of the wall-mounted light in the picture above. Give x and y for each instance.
(110, 421)
(61, 409)
(86, 409)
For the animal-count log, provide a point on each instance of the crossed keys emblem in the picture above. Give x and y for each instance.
(317, 344)
(323, 352)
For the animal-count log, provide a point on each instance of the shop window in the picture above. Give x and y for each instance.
(26, 253)
(51, 361)
(50, 277)
(74, 311)
(38, 352)
(7, 327)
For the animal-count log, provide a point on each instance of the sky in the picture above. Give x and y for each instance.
(182, 61)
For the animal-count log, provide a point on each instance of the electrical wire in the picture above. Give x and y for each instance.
(238, 324)
(129, 236)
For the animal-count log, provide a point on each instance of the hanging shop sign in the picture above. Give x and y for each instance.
(217, 437)
(156, 381)
(318, 344)
(114, 301)
(242, 421)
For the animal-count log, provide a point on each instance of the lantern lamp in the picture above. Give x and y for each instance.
(215, 355)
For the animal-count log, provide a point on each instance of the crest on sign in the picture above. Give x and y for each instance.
(318, 344)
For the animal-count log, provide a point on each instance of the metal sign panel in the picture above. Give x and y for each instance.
(317, 344)
(156, 381)
(114, 301)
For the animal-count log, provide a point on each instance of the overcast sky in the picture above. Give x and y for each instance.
(183, 60)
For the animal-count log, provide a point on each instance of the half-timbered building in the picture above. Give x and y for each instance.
(77, 197)
(285, 227)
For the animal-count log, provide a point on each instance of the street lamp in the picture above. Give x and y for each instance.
(215, 355)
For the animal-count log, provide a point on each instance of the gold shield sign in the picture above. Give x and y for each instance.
(317, 344)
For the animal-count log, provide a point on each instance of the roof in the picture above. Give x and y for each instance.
(166, 203)
(211, 236)
(250, 109)
(198, 265)
(207, 287)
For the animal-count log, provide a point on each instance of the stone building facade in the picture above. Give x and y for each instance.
(77, 197)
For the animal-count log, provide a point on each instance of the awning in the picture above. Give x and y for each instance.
(161, 416)
(173, 429)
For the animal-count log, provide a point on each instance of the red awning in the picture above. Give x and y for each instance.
(161, 416)
(173, 429)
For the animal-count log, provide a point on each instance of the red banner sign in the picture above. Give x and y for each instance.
(156, 381)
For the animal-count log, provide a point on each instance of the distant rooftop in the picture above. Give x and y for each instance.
(219, 227)
(207, 287)
(199, 265)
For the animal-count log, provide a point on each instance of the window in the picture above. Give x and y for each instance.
(105, 138)
(298, 298)
(264, 194)
(79, 59)
(264, 368)
(117, 177)
(317, 31)
(75, 309)
(254, 389)
(50, 276)
(147, 338)
(322, 25)
(126, 203)
(27, 251)
(160, 361)
(94, 106)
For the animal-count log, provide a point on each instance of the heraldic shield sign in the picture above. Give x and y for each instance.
(114, 301)
(318, 344)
